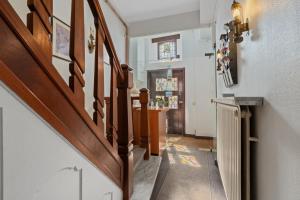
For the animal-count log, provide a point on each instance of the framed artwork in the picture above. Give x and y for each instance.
(61, 39)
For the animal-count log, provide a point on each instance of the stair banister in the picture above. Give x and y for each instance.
(40, 85)
(125, 132)
(145, 129)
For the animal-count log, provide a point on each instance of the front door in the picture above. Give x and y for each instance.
(167, 87)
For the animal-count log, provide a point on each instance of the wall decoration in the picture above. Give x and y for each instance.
(92, 40)
(227, 58)
(61, 39)
(227, 53)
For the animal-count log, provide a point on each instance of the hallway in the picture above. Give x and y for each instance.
(192, 174)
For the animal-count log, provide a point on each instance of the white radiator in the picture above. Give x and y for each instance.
(233, 147)
(229, 149)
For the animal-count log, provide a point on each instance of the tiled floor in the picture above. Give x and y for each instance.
(192, 174)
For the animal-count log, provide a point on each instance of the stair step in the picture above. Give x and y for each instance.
(144, 178)
(138, 156)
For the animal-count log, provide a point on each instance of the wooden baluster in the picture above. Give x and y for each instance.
(125, 131)
(77, 50)
(39, 24)
(99, 80)
(144, 126)
(112, 133)
(107, 113)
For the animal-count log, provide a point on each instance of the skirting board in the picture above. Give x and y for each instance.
(199, 137)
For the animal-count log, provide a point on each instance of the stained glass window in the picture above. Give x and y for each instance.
(167, 50)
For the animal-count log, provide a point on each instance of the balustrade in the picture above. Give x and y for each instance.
(62, 105)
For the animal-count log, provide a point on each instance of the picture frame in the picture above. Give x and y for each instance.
(61, 39)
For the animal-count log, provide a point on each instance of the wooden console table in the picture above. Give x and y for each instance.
(157, 126)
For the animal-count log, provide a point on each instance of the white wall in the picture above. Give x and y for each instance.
(199, 72)
(268, 66)
(160, 25)
(117, 31)
(39, 163)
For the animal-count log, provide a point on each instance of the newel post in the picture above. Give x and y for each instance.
(145, 131)
(125, 131)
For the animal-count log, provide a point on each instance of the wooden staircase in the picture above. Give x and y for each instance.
(145, 174)
(26, 68)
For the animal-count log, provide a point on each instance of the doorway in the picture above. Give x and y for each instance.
(167, 87)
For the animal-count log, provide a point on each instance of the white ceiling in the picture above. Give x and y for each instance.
(139, 10)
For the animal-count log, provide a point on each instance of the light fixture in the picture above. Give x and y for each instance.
(236, 10)
(237, 25)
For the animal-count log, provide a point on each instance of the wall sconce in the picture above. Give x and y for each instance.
(92, 40)
(237, 25)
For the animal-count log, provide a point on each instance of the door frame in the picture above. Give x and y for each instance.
(184, 83)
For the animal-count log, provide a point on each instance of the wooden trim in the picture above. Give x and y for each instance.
(77, 41)
(77, 50)
(44, 88)
(99, 81)
(113, 116)
(40, 33)
(97, 11)
(166, 38)
(48, 5)
(40, 26)
(38, 7)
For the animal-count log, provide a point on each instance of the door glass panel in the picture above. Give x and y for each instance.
(172, 84)
(173, 102)
(161, 84)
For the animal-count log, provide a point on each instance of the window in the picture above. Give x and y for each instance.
(167, 47)
(167, 50)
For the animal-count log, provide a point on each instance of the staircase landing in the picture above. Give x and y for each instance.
(145, 174)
